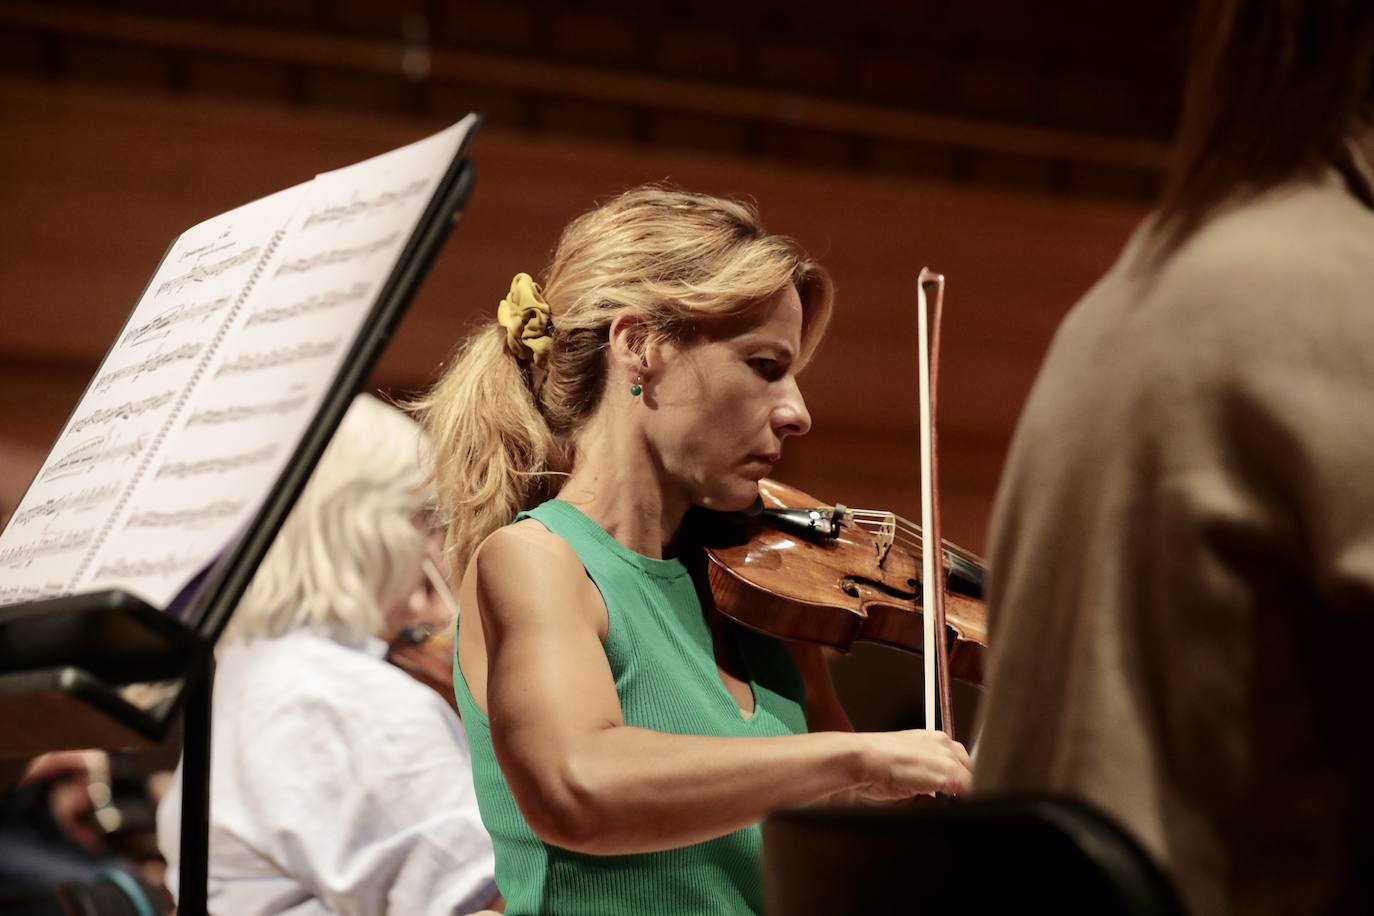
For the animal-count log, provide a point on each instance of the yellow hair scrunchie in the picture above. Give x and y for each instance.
(527, 320)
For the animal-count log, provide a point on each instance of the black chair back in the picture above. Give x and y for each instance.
(985, 855)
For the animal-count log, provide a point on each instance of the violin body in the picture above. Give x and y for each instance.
(838, 585)
(426, 654)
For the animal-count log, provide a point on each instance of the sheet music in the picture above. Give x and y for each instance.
(285, 349)
(164, 346)
(214, 380)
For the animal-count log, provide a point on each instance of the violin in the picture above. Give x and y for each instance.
(425, 652)
(797, 569)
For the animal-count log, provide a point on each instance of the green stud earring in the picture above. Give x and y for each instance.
(636, 390)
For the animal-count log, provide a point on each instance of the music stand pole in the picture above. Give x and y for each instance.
(195, 792)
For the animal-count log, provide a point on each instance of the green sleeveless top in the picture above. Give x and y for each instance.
(659, 647)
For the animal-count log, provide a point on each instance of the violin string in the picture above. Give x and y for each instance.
(898, 538)
(881, 518)
(902, 525)
(915, 530)
(886, 518)
(915, 548)
(875, 525)
(888, 523)
(953, 549)
(877, 521)
(869, 517)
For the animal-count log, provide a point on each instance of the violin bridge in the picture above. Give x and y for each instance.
(886, 534)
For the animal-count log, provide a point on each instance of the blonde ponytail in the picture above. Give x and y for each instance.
(492, 450)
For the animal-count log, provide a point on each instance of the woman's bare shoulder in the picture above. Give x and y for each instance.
(525, 544)
(523, 565)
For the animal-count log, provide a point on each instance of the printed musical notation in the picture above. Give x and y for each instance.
(125, 568)
(151, 364)
(157, 328)
(202, 273)
(13, 594)
(46, 545)
(123, 411)
(363, 206)
(335, 256)
(240, 413)
(222, 242)
(180, 470)
(82, 499)
(91, 454)
(176, 518)
(279, 356)
(318, 302)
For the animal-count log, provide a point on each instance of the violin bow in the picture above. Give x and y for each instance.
(935, 651)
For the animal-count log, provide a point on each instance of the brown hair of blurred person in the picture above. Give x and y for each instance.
(1275, 89)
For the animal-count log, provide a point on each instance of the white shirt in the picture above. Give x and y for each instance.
(338, 785)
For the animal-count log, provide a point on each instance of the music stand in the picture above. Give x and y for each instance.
(64, 660)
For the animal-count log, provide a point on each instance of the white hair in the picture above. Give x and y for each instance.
(349, 548)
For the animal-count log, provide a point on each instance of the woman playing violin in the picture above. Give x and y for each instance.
(626, 741)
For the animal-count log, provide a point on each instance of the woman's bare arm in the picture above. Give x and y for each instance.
(586, 781)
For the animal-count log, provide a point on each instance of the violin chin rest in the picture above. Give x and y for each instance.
(755, 508)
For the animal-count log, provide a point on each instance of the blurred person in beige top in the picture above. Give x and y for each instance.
(1182, 595)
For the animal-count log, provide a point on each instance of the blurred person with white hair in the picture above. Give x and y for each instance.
(338, 783)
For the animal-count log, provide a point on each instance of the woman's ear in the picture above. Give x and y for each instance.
(631, 348)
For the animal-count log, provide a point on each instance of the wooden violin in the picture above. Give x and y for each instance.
(798, 569)
(425, 652)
